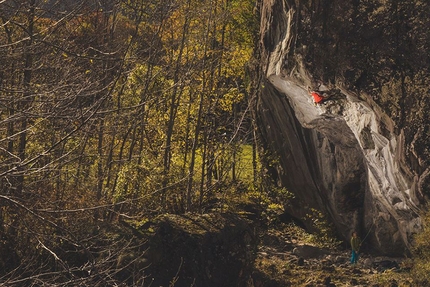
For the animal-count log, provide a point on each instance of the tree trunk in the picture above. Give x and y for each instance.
(175, 98)
(24, 105)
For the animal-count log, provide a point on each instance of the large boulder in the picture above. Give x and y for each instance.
(362, 158)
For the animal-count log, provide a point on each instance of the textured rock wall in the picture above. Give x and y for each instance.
(352, 158)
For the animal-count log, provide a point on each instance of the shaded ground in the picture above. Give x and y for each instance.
(284, 260)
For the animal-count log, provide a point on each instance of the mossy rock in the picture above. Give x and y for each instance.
(200, 250)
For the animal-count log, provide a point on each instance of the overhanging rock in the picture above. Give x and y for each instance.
(345, 157)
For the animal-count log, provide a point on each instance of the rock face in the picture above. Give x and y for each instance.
(362, 157)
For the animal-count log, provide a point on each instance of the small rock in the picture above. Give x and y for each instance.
(301, 261)
(340, 259)
(328, 268)
(367, 262)
(356, 271)
(327, 282)
(385, 264)
(308, 251)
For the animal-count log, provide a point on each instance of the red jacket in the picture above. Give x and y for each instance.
(317, 97)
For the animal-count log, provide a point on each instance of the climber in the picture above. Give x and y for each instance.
(355, 246)
(318, 97)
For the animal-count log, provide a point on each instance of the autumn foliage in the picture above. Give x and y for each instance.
(115, 110)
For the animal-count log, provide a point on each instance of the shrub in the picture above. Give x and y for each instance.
(421, 254)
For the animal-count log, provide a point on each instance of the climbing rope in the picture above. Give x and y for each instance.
(368, 232)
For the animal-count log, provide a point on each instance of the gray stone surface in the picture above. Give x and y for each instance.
(346, 157)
